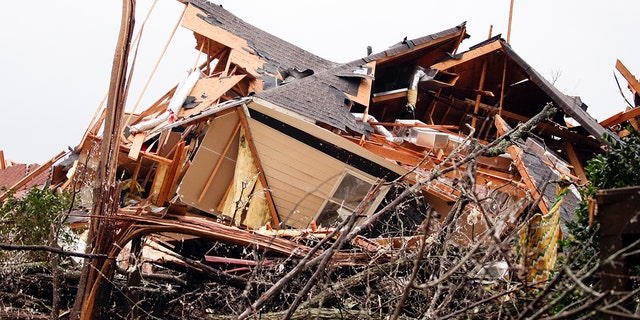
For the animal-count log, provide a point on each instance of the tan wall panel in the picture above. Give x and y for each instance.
(287, 154)
(292, 170)
(196, 177)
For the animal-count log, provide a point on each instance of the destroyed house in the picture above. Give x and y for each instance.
(264, 138)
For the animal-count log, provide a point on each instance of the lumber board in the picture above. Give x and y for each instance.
(516, 154)
(468, 56)
(134, 151)
(578, 169)
(208, 91)
(621, 117)
(634, 84)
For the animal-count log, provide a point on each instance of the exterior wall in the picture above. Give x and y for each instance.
(300, 177)
(221, 130)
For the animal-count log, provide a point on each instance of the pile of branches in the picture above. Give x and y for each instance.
(441, 278)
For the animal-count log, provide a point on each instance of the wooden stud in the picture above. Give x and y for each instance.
(138, 140)
(634, 84)
(476, 108)
(510, 20)
(169, 182)
(219, 163)
(575, 161)
(504, 80)
(516, 154)
(134, 177)
(468, 56)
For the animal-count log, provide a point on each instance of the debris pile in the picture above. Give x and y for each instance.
(267, 147)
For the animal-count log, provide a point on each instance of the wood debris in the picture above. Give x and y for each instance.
(267, 146)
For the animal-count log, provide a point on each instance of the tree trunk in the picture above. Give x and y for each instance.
(106, 195)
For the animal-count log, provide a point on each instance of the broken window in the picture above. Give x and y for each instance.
(346, 197)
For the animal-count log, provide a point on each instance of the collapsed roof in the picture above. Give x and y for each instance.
(275, 141)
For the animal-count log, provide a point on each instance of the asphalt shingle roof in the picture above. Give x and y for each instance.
(279, 53)
(321, 96)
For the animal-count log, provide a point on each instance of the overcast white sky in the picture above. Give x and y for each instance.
(55, 56)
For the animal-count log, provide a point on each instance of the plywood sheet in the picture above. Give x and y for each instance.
(208, 91)
(209, 153)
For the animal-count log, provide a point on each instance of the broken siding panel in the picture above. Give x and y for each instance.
(208, 155)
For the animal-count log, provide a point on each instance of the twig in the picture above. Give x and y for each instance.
(5, 246)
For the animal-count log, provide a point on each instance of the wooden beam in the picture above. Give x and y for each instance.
(261, 176)
(2, 164)
(134, 177)
(516, 154)
(620, 117)
(391, 96)
(634, 84)
(476, 107)
(169, 182)
(468, 56)
(136, 146)
(575, 161)
(219, 163)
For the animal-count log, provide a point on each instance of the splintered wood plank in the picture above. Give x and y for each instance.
(516, 154)
(208, 91)
(469, 55)
(575, 161)
(633, 82)
(138, 140)
(621, 117)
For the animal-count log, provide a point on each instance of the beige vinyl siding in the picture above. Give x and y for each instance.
(297, 174)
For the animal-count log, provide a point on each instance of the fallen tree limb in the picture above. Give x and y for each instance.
(5, 246)
(300, 314)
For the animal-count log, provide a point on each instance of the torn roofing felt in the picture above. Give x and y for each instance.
(280, 54)
(322, 96)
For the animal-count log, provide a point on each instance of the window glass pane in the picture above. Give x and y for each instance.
(344, 201)
(329, 216)
(351, 191)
